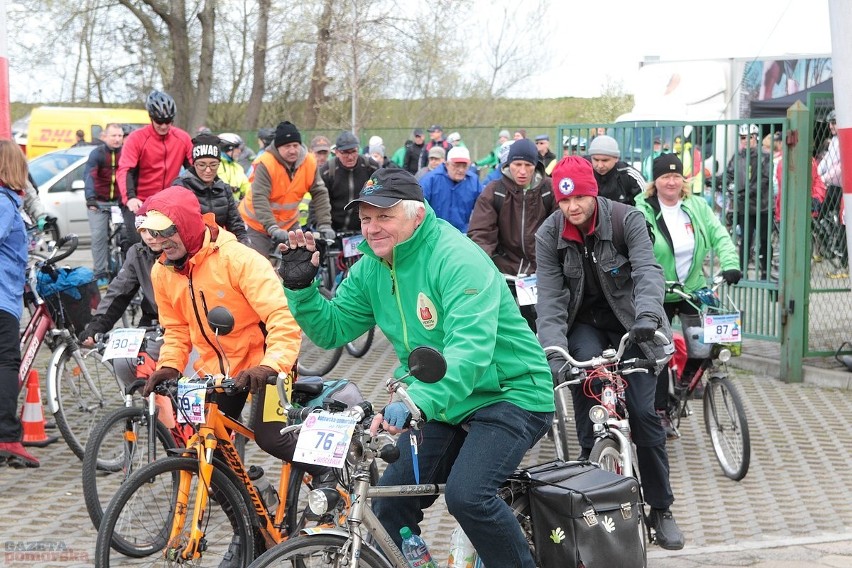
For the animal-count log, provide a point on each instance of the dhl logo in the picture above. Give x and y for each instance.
(58, 135)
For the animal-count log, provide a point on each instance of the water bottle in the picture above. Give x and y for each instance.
(462, 553)
(415, 550)
(267, 492)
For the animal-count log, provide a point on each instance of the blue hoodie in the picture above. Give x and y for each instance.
(13, 253)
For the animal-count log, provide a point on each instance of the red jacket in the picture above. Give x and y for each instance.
(149, 162)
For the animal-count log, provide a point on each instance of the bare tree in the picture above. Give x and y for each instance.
(174, 61)
(258, 85)
(317, 96)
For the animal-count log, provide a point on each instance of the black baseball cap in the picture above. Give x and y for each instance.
(387, 187)
(346, 141)
(435, 128)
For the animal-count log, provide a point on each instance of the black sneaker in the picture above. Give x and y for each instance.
(667, 532)
(231, 559)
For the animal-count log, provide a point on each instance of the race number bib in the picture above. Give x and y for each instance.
(527, 290)
(115, 215)
(190, 399)
(350, 245)
(722, 328)
(124, 343)
(324, 439)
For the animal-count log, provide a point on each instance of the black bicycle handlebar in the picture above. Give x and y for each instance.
(73, 240)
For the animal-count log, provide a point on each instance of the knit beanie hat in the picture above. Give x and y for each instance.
(604, 146)
(666, 164)
(286, 132)
(523, 149)
(205, 146)
(572, 176)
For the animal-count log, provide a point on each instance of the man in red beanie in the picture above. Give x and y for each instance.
(597, 281)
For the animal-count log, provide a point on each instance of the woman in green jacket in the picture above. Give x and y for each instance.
(685, 231)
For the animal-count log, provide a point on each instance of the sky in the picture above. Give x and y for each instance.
(587, 44)
(591, 42)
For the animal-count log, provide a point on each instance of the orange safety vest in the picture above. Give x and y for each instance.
(285, 194)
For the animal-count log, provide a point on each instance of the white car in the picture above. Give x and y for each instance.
(61, 188)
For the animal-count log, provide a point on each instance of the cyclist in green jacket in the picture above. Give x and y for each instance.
(424, 283)
(685, 230)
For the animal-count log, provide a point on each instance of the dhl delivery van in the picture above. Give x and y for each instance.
(52, 128)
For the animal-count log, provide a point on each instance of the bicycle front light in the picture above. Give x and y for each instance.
(722, 353)
(323, 500)
(598, 414)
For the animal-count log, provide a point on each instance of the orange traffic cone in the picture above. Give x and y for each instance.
(32, 416)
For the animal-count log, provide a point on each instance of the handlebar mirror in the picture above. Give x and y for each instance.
(427, 365)
(220, 320)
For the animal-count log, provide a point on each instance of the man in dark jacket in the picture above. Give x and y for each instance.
(509, 211)
(617, 180)
(344, 177)
(413, 149)
(750, 169)
(595, 283)
(214, 195)
(436, 138)
(545, 154)
(102, 195)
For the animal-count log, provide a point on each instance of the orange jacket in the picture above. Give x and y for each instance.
(229, 274)
(282, 196)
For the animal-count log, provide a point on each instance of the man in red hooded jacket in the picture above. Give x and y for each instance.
(204, 266)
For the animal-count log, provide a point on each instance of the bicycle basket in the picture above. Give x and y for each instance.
(71, 298)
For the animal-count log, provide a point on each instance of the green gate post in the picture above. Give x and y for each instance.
(795, 235)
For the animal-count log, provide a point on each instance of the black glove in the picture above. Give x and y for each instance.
(732, 276)
(161, 375)
(93, 203)
(87, 332)
(296, 269)
(254, 378)
(279, 236)
(556, 363)
(644, 328)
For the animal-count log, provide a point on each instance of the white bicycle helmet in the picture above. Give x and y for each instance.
(230, 141)
(746, 129)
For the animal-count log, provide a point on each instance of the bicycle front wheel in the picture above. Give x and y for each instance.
(360, 346)
(117, 447)
(725, 420)
(83, 384)
(317, 550)
(140, 518)
(606, 453)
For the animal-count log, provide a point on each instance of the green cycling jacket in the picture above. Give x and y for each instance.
(442, 291)
(709, 235)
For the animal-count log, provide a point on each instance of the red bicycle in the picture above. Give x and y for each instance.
(78, 380)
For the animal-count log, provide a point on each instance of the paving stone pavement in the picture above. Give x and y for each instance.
(793, 508)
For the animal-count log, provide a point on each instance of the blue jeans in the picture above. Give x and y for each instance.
(473, 459)
(99, 222)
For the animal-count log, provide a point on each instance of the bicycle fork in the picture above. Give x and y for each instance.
(619, 430)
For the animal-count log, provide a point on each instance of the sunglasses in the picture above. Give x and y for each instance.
(163, 120)
(165, 233)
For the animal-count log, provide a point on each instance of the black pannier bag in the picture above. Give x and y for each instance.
(585, 516)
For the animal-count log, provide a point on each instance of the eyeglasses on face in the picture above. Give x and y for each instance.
(163, 120)
(208, 167)
(165, 233)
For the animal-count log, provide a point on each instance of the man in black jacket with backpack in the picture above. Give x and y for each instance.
(344, 177)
